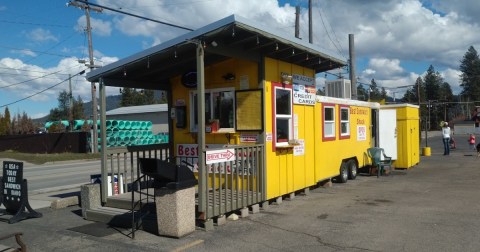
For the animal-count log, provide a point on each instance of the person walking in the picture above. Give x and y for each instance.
(446, 139)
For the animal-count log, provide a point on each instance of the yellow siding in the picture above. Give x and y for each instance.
(213, 79)
(408, 142)
(329, 154)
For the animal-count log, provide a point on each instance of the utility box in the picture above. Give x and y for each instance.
(408, 129)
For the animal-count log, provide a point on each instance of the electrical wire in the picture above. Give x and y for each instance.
(29, 80)
(48, 88)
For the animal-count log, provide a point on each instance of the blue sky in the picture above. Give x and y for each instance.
(395, 40)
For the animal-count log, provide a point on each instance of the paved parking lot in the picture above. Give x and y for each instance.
(432, 207)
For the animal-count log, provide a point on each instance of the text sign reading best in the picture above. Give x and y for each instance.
(218, 156)
(12, 180)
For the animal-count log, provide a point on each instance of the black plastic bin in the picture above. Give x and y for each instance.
(167, 174)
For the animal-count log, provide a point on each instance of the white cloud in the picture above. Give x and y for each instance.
(99, 27)
(41, 35)
(25, 52)
(25, 80)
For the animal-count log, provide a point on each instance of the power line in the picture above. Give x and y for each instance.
(129, 14)
(28, 80)
(30, 50)
(36, 24)
(48, 88)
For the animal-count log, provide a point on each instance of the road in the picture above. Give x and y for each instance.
(59, 176)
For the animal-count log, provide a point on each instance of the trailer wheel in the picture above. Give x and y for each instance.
(352, 169)
(343, 177)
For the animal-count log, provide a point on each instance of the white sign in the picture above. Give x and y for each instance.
(304, 90)
(303, 80)
(268, 137)
(299, 150)
(361, 132)
(248, 138)
(219, 156)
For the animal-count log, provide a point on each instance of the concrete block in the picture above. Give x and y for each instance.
(265, 205)
(291, 196)
(279, 200)
(233, 217)
(326, 183)
(221, 220)
(175, 211)
(244, 212)
(90, 197)
(64, 202)
(208, 225)
(255, 208)
(306, 191)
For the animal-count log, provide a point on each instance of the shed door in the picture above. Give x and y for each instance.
(387, 128)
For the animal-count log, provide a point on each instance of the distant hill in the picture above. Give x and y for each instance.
(113, 102)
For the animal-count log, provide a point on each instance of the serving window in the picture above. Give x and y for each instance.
(328, 122)
(282, 115)
(219, 105)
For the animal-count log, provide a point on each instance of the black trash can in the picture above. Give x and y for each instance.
(167, 174)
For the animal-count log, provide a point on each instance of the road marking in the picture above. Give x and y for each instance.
(188, 245)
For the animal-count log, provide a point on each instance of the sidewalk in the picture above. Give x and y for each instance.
(431, 207)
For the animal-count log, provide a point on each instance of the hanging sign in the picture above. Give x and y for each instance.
(304, 90)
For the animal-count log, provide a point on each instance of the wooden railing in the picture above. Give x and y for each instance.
(121, 165)
(234, 184)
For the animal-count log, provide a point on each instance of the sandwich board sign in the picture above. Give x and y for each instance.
(14, 192)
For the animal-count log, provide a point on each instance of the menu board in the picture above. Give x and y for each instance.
(249, 109)
(12, 185)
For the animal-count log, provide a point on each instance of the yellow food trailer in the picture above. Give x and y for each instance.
(245, 116)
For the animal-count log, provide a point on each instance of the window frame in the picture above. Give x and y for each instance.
(275, 116)
(193, 94)
(333, 122)
(343, 135)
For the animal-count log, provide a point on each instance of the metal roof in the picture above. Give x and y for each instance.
(138, 109)
(231, 37)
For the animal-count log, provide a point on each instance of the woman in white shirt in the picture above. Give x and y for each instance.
(446, 139)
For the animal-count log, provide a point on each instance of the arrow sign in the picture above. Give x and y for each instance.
(218, 156)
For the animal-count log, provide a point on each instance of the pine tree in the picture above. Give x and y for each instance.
(470, 77)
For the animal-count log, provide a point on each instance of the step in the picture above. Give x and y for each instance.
(124, 201)
(123, 218)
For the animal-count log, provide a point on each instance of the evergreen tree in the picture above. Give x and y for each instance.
(8, 126)
(470, 77)
(362, 93)
(432, 81)
(2, 125)
(78, 111)
(375, 94)
(132, 97)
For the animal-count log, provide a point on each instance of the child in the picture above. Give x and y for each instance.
(471, 141)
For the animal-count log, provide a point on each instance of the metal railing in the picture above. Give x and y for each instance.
(122, 165)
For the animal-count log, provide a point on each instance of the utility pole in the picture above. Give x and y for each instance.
(297, 21)
(87, 9)
(310, 30)
(70, 102)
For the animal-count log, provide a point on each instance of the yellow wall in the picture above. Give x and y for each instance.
(213, 79)
(285, 172)
(330, 153)
(408, 142)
